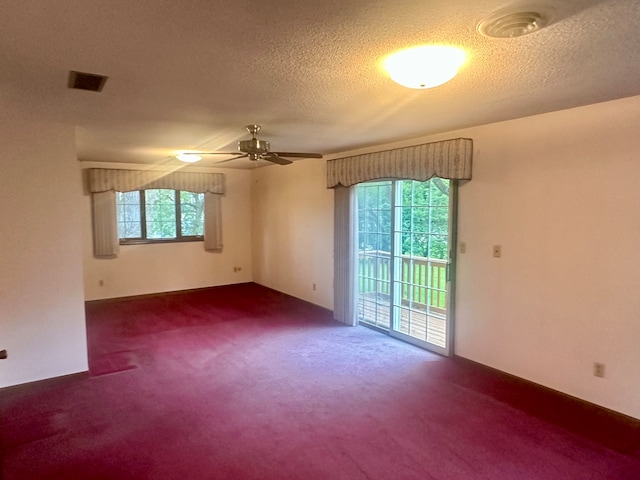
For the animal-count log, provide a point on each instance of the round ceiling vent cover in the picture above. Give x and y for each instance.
(509, 25)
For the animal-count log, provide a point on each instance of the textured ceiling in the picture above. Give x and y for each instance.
(190, 74)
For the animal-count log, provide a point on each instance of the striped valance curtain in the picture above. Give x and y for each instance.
(103, 180)
(447, 159)
(104, 183)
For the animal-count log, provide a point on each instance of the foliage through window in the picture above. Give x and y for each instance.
(424, 210)
(160, 215)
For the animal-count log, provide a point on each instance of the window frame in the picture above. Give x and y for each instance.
(179, 238)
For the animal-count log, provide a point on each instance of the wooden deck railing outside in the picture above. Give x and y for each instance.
(423, 279)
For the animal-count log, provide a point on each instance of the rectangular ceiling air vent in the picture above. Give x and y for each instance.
(86, 81)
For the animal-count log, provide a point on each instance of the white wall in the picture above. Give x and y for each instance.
(559, 193)
(42, 322)
(293, 230)
(153, 268)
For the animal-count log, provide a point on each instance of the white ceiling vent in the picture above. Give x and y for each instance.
(514, 24)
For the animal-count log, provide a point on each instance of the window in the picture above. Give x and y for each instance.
(160, 215)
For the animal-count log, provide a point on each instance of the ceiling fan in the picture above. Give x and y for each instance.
(253, 149)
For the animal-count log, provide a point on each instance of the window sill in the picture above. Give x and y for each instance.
(161, 240)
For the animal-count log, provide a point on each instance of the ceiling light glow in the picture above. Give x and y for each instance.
(424, 67)
(188, 157)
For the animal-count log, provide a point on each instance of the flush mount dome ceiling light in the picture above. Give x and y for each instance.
(188, 157)
(424, 67)
(512, 24)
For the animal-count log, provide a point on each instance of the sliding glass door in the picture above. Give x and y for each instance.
(404, 234)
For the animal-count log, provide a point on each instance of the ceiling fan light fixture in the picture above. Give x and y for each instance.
(512, 24)
(189, 157)
(424, 67)
(253, 149)
(253, 146)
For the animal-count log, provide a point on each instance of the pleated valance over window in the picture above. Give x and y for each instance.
(103, 180)
(447, 159)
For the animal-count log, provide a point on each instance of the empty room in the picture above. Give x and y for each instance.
(319, 240)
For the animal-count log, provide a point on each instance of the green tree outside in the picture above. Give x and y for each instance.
(424, 211)
(159, 206)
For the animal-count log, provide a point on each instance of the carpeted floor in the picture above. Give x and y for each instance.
(241, 382)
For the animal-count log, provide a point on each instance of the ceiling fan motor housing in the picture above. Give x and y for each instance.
(253, 146)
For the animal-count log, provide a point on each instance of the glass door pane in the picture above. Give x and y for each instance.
(421, 234)
(374, 253)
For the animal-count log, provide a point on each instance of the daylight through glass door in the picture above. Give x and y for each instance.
(403, 258)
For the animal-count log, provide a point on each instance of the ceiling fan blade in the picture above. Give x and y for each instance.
(211, 153)
(297, 154)
(230, 159)
(275, 158)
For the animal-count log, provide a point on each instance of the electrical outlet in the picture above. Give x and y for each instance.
(314, 286)
(598, 369)
(497, 251)
(463, 247)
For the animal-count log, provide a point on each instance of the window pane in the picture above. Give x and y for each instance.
(160, 213)
(192, 213)
(371, 221)
(384, 196)
(420, 245)
(439, 192)
(370, 242)
(385, 220)
(371, 197)
(384, 244)
(361, 193)
(420, 219)
(438, 247)
(439, 220)
(420, 193)
(128, 204)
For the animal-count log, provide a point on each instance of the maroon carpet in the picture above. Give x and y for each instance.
(241, 382)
